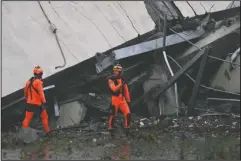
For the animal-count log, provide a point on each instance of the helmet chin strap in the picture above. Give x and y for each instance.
(119, 75)
(38, 75)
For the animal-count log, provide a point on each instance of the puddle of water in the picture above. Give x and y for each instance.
(165, 147)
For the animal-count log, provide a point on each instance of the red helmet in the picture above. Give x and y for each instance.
(117, 67)
(37, 70)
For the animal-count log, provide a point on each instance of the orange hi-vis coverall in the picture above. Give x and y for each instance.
(34, 94)
(119, 100)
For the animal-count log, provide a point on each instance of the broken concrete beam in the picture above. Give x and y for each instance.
(146, 47)
(210, 38)
(71, 113)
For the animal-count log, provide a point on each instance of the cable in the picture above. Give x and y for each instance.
(231, 5)
(108, 21)
(191, 8)
(210, 88)
(211, 8)
(44, 13)
(203, 7)
(93, 24)
(213, 57)
(60, 66)
(128, 17)
(56, 36)
(201, 49)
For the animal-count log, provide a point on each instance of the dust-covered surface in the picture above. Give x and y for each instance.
(202, 138)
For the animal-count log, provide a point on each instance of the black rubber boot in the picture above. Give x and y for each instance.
(47, 134)
(127, 131)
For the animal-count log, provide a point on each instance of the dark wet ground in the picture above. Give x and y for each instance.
(194, 138)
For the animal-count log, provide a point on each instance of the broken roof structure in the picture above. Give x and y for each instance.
(145, 69)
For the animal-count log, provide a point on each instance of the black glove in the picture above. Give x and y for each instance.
(43, 106)
(129, 104)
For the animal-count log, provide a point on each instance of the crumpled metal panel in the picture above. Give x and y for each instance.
(146, 47)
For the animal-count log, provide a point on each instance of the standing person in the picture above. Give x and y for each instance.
(120, 98)
(35, 98)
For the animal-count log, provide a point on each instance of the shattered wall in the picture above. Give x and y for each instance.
(84, 28)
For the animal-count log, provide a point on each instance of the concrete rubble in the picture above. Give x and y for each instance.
(82, 97)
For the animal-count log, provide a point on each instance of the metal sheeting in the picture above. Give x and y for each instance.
(146, 47)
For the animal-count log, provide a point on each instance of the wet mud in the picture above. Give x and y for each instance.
(189, 138)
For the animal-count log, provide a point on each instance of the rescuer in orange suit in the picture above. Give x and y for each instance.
(120, 98)
(35, 98)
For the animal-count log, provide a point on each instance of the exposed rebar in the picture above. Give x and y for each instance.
(166, 60)
(203, 86)
(201, 49)
(223, 99)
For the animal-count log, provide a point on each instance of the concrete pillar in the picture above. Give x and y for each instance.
(158, 78)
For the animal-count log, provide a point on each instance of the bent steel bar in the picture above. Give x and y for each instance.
(210, 38)
(22, 98)
(222, 99)
(146, 47)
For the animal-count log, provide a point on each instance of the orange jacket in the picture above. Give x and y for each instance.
(34, 94)
(120, 88)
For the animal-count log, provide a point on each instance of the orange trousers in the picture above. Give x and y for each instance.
(116, 104)
(33, 109)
